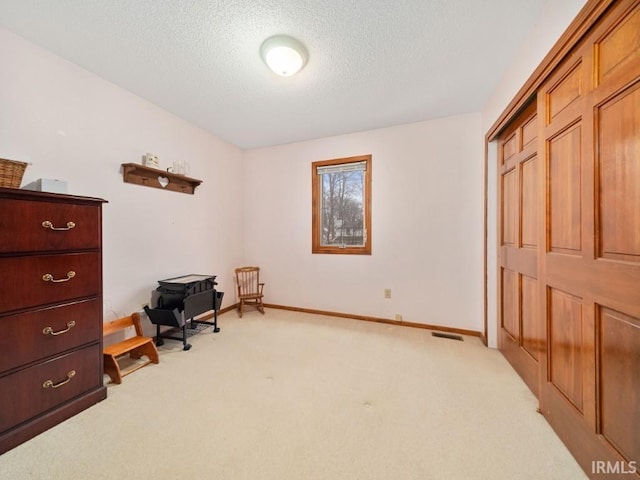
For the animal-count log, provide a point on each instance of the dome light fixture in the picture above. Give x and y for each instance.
(283, 54)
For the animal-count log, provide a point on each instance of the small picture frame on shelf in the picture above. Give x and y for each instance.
(179, 167)
(151, 160)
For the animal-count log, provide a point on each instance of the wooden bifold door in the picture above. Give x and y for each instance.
(520, 330)
(569, 253)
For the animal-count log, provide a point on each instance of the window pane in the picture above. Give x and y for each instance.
(342, 208)
(341, 200)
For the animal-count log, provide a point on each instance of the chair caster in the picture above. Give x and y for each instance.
(187, 347)
(216, 329)
(159, 342)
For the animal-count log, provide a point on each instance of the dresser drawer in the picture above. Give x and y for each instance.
(47, 226)
(39, 334)
(35, 390)
(68, 276)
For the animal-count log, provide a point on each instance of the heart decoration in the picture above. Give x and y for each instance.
(163, 181)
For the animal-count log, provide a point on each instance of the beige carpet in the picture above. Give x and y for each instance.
(297, 396)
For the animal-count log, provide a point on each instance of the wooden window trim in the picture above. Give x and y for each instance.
(316, 246)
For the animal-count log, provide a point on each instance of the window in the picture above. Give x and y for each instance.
(341, 199)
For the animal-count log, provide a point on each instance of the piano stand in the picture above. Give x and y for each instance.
(179, 301)
(216, 329)
(168, 318)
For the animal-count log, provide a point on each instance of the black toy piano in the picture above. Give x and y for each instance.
(178, 300)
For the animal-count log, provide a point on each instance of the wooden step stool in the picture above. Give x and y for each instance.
(136, 347)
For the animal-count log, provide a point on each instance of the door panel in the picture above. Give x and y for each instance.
(532, 341)
(618, 126)
(569, 231)
(520, 332)
(566, 352)
(510, 303)
(529, 203)
(509, 207)
(589, 248)
(620, 46)
(566, 91)
(620, 377)
(564, 190)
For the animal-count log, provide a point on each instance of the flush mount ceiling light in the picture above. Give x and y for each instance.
(284, 55)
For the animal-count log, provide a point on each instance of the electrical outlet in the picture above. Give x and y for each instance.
(387, 293)
(398, 317)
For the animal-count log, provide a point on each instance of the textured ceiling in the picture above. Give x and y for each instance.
(372, 63)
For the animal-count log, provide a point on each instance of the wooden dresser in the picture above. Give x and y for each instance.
(50, 311)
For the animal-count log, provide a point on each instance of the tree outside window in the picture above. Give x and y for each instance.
(342, 205)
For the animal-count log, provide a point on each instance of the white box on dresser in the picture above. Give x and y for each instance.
(50, 310)
(47, 185)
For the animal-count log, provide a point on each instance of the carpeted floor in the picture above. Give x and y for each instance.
(297, 396)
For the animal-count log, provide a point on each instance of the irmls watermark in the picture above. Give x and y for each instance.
(619, 467)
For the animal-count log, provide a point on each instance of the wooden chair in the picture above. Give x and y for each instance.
(249, 288)
(136, 347)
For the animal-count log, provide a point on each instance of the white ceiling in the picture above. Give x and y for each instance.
(372, 63)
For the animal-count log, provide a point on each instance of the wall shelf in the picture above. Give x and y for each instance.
(156, 178)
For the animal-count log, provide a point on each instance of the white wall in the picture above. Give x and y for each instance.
(427, 193)
(426, 222)
(74, 126)
(554, 20)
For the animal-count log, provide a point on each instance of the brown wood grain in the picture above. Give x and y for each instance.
(26, 287)
(30, 397)
(587, 202)
(152, 177)
(24, 342)
(51, 362)
(33, 236)
(618, 350)
(589, 271)
(518, 332)
(366, 318)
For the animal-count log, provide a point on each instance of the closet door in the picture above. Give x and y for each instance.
(590, 246)
(520, 333)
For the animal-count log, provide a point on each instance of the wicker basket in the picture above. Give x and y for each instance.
(11, 173)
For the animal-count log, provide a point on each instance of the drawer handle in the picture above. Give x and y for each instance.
(47, 277)
(50, 384)
(49, 330)
(48, 224)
